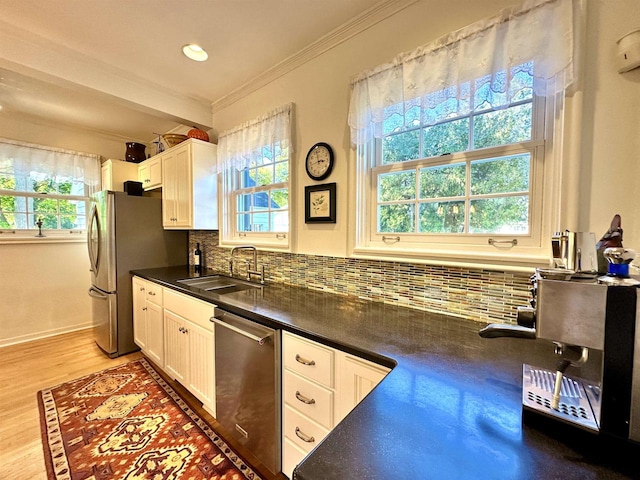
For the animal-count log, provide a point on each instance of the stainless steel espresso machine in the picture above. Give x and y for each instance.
(583, 315)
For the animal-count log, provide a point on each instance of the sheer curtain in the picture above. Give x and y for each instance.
(472, 68)
(238, 147)
(28, 160)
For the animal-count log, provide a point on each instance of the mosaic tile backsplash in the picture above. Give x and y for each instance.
(475, 294)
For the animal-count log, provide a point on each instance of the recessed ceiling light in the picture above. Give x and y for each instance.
(195, 52)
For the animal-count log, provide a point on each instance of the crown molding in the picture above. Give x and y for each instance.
(362, 22)
(31, 54)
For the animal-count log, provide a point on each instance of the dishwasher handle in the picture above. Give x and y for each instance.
(218, 319)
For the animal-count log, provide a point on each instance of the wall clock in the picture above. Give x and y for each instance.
(319, 162)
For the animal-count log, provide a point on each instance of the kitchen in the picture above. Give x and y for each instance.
(56, 274)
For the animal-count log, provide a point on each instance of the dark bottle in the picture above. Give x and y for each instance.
(197, 259)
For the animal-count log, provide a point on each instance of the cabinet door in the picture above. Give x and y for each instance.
(144, 174)
(175, 346)
(358, 378)
(155, 171)
(155, 336)
(176, 190)
(139, 312)
(107, 175)
(168, 190)
(150, 173)
(201, 378)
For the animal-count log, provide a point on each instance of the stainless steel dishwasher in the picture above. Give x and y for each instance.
(248, 385)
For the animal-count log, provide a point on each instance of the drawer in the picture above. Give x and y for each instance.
(308, 358)
(311, 399)
(154, 293)
(292, 455)
(305, 433)
(194, 310)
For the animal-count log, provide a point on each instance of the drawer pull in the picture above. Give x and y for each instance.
(304, 437)
(303, 399)
(153, 294)
(304, 361)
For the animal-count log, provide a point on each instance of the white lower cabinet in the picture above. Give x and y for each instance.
(320, 386)
(189, 345)
(176, 346)
(148, 326)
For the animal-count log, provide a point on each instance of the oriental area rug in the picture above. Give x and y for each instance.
(126, 422)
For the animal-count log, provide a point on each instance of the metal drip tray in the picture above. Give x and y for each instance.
(577, 403)
(218, 284)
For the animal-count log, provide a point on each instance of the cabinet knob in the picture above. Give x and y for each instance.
(153, 294)
(144, 308)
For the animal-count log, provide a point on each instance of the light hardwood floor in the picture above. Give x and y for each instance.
(29, 367)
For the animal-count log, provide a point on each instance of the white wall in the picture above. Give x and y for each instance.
(43, 287)
(611, 136)
(610, 142)
(43, 290)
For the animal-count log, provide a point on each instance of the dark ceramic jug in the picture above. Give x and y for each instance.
(135, 152)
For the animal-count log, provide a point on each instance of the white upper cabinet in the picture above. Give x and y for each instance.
(189, 186)
(116, 172)
(150, 173)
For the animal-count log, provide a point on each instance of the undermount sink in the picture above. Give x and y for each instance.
(218, 284)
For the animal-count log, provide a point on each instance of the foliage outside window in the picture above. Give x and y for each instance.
(254, 159)
(41, 184)
(459, 142)
(421, 189)
(262, 193)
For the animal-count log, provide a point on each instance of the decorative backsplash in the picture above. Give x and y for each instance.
(476, 294)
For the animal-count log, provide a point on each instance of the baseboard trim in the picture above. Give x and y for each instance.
(5, 342)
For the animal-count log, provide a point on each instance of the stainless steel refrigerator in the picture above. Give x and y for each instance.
(124, 233)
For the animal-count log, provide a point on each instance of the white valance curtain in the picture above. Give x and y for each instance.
(540, 36)
(31, 160)
(238, 147)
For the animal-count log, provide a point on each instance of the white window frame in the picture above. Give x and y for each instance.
(238, 149)
(270, 239)
(32, 235)
(473, 250)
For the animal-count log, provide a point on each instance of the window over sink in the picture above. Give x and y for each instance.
(254, 159)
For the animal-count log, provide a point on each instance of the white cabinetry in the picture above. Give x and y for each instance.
(320, 386)
(189, 188)
(357, 378)
(116, 172)
(148, 327)
(189, 345)
(150, 173)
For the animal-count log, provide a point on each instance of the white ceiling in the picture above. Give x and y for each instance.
(54, 53)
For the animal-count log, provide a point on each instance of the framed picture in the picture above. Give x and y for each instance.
(320, 203)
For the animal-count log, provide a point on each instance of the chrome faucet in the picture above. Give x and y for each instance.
(250, 272)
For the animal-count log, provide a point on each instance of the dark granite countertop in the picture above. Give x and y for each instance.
(450, 408)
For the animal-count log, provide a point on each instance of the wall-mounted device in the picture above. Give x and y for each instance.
(628, 56)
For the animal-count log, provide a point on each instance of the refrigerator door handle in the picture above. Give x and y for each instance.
(93, 239)
(97, 294)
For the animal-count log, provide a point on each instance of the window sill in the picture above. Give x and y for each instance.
(524, 262)
(260, 245)
(11, 238)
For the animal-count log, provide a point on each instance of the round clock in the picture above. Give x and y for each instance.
(319, 162)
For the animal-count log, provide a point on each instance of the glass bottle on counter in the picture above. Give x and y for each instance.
(197, 260)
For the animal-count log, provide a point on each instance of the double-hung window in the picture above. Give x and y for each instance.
(43, 189)
(457, 142)
(254, 159)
